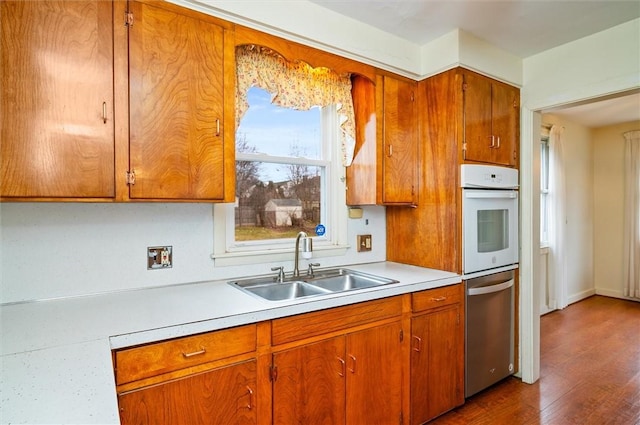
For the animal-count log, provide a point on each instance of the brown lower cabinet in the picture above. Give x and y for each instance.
(350, 379)
(223, 396)
(437, 353)
(395, 360)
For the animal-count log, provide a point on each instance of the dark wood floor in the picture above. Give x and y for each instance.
(589, 368)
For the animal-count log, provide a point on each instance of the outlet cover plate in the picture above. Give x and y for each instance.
(364, 243)
(159, 257)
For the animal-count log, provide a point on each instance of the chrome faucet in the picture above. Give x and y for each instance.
(307, 249)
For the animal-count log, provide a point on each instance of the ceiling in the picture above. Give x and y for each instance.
(604, 112)
(520, 27)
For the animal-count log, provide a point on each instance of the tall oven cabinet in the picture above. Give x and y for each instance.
(454, 115)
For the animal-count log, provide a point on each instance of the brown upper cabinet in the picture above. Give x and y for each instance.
(176, 101)
(56, 95)
(115, 101)
(385, 165)
(491, 120)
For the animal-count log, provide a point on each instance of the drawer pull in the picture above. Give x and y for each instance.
(195, 353)
(438, 299)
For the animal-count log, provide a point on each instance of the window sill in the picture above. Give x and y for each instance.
(273, 255)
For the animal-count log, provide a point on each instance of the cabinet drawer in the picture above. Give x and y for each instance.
(438, 297)
(154, 359)
(334, 319)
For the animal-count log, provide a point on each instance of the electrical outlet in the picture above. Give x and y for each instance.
(159, 257)
(364, 243)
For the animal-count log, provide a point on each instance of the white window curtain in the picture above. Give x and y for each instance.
(631, 264)
(295, 85)
(557, 221)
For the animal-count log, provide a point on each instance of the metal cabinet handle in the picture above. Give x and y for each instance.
(418, 347)
(343, 367)
(195, 353)
(104, 112)
(353, 362)
(438, 299)
(218, 127)
(498, 147)
(493, 142)
(390, 151)
(250, 405)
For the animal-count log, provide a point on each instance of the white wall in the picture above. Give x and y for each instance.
(608, 173)
(578, 170)
(58, 250)
(600, 64)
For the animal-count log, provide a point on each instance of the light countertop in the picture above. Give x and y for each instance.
(56, 354)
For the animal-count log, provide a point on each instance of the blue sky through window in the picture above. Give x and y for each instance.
(280, 131)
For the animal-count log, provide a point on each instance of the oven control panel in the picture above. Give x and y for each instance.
(488, 176)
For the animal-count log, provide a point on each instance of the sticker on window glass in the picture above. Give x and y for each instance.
(320, 230)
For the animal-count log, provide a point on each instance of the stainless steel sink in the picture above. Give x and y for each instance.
(279, 291)
(323, 282)
(347, 280)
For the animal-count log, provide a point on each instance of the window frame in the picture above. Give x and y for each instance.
(544, 191)
(227, 252)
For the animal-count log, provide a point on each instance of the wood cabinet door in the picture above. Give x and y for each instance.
(505, 123)
(56, 98)
(400, 143)
(478, 142)
(437, 348)
(309, 386)
(374, 375)
(176, 105)
(224, 396)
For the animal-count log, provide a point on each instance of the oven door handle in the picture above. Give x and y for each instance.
(491, 288)
(478, 194)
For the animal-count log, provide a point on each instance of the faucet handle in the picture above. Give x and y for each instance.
(280, 270)
(310, 269)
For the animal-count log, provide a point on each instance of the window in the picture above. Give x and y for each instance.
(295, 131)
(544, 190)
(282, 166)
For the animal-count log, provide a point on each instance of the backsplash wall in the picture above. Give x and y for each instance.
(50, 250)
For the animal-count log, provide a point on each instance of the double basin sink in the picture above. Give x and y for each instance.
(323, 282)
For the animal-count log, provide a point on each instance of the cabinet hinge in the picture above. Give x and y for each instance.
(128, 19)
(458, 319)
(401, 419)
(464, 86)
(273, 373)
(401, 335)
(131, 177)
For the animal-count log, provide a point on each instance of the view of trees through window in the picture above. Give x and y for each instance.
(280, 171)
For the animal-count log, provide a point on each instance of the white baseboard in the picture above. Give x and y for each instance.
(581, 296)
(614, 294)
